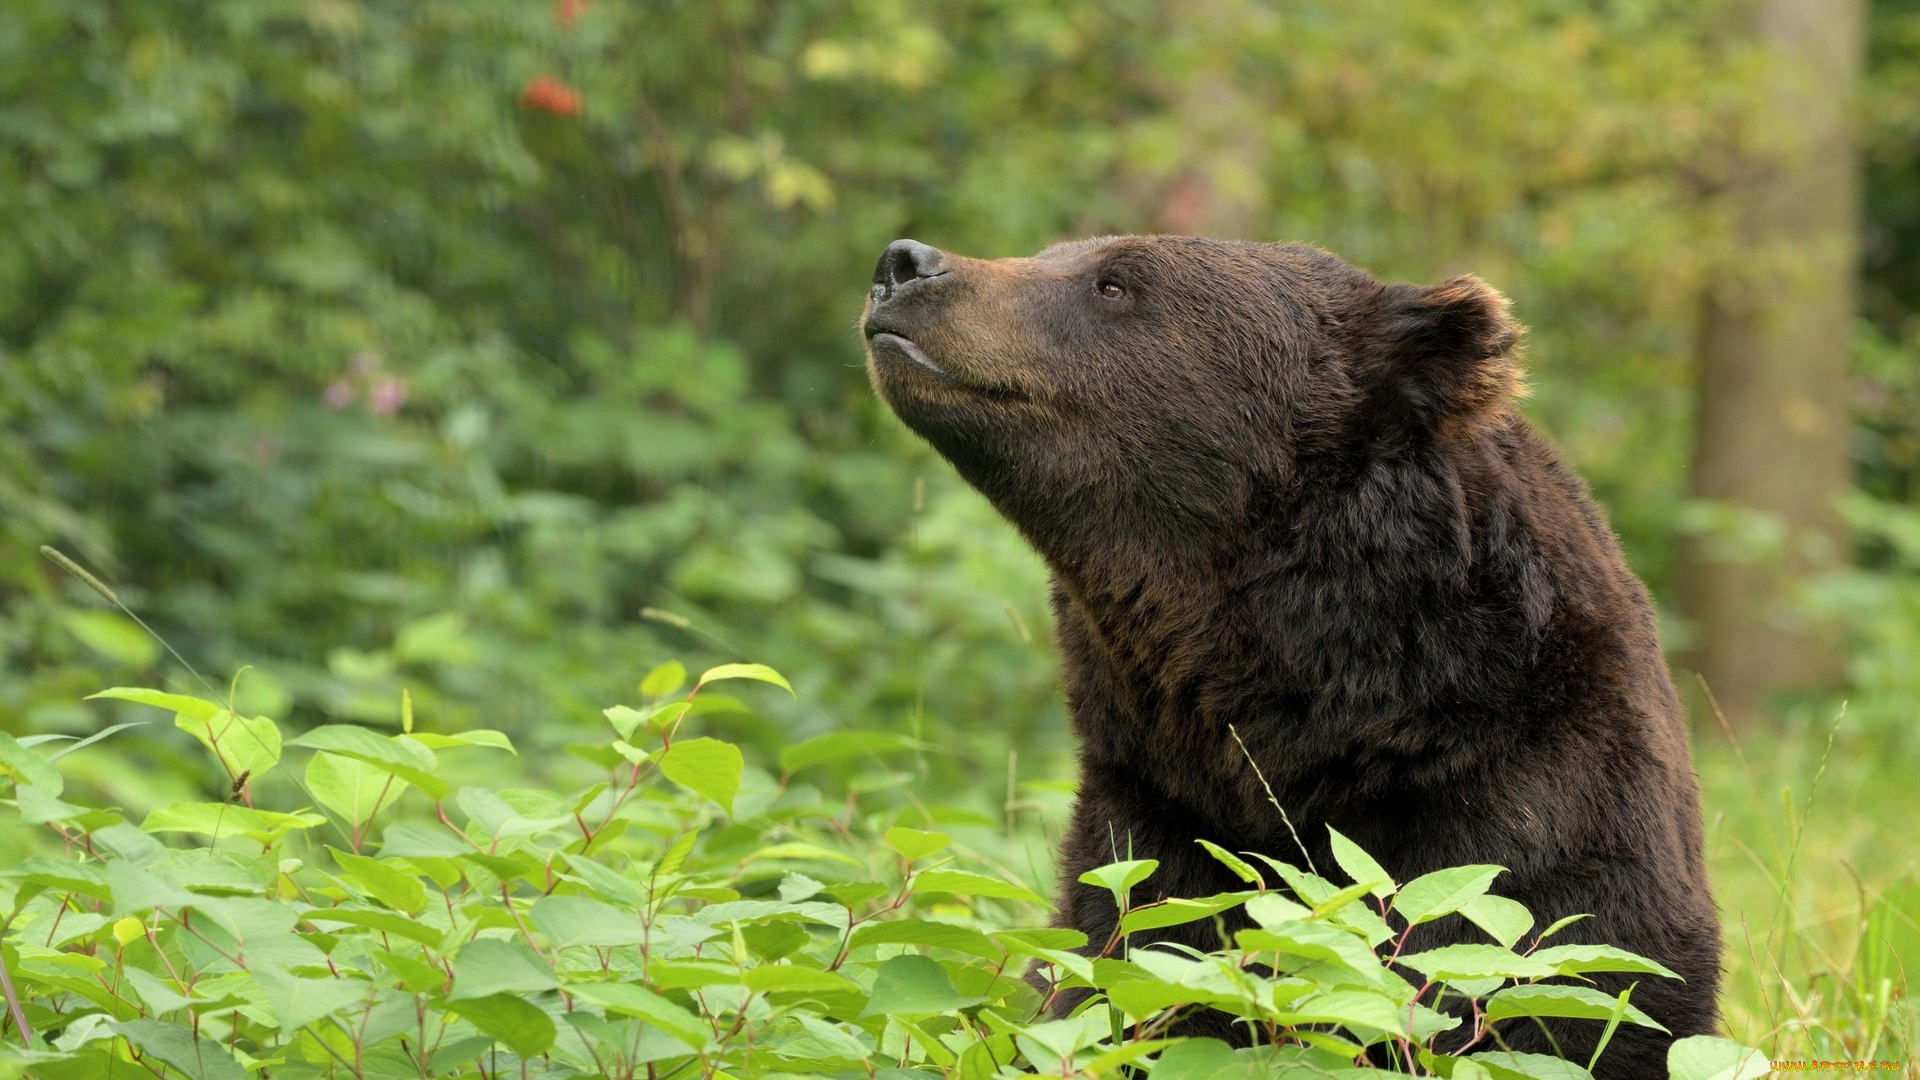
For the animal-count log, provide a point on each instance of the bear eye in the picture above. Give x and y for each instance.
(1110, 290)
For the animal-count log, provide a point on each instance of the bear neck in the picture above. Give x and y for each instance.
(1335, 601)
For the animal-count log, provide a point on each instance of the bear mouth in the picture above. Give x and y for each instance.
(895, 342)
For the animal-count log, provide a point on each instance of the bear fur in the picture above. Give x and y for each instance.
(1280, 496)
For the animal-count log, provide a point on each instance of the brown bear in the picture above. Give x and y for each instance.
(1277, 494)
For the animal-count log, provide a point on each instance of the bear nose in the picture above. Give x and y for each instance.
(904, 261)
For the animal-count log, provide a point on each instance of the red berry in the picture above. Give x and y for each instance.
(549, 95)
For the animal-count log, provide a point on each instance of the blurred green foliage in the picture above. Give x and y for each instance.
(437, 343)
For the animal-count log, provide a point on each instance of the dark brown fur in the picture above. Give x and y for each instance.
(1276, 493)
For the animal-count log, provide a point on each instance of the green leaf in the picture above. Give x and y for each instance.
(1315, 941)
(676, 854)
(1359, 865)
(455, 1053)
(627, 721)
(508, 1020)
(852, 894)
(225, 819)
(1477, 962)
(103, 733)
(195, 1058)
(823, 1040)
(1203, 1059)
(1456, 1068)
(1578, 1002)
(963, 883)
(27, 768)
(418, 976)
(1141, 998)
(241, 745)
(1561, 924)
(664, 679)
(44, 737)
(298, 1002)
(157, 994)
(578, 920)
(476, 737)
(1709, 1057)
(412, 840)
(1367, 1013)
(1507, 921)
(1078, 965)
(408, 761)
(1119, 878)
(206, 819)
(86, 879)
(759, 672)
(197, 708)
(914, 844)
(795, 887)
(394, 888)
(1241, 867)
(1619, 1013)
(381, 919)
(840, 745)
(1506, 1065)
(1443, 892)
(1061, 1039)
(939, 935)
(1584, 959)
(1343, 898)
(915, 986)
(1309, 887)
(351, 788)
(1272, 909)
(38, 806)
(1180, 912)
(1105, 1064)
(706, 767)
(497, 966)
(628, 999)
(779, 977)
(500, 819)
(603, 881)
(85, 1029)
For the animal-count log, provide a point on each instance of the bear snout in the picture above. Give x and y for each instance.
(903, 263)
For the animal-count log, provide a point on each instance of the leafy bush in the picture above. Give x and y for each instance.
(432, 341)
(731, 921)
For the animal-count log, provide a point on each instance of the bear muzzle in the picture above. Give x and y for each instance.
(939, 326)
(905, 266)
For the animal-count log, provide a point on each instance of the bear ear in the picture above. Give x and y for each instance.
(1444, 354)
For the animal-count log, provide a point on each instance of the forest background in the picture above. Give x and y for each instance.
(500, 350)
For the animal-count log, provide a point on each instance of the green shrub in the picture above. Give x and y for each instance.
(732, 920)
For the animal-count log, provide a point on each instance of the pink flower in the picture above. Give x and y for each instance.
(339, 394)
(386, 396)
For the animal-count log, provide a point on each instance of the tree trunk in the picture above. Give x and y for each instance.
(1772, 427)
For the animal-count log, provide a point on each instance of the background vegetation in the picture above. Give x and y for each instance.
(500, 350)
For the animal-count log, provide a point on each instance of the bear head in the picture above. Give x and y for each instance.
(1163, 393)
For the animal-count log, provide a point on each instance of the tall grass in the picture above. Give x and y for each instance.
(1813, 842)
